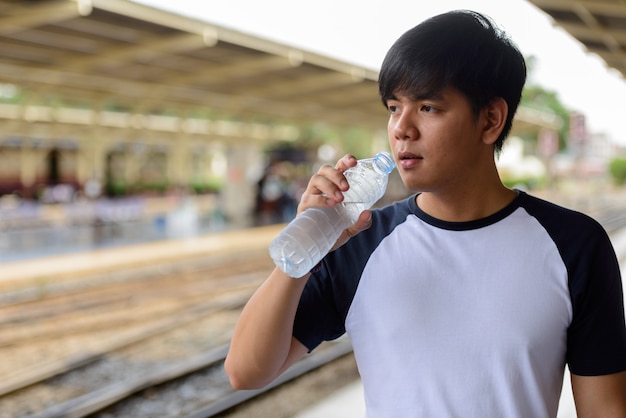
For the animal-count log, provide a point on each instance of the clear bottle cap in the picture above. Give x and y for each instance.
(384, 162)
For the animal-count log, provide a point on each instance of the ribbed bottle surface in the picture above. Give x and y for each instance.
(309, 237)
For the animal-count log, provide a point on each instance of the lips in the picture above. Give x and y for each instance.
(408, 159)
(404, 155)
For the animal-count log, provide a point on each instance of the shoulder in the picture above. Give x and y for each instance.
(583, 243)
(566, 226)
(550, 211)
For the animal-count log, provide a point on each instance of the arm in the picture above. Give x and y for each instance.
(600, 396)
(262, 346)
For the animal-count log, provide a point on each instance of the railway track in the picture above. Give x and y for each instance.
(103, 345)
(133, 325)
(146, 342)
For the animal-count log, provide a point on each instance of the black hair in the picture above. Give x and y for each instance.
(462, 49)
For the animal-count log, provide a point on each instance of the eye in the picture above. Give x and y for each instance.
(427, 108)
(392, 108)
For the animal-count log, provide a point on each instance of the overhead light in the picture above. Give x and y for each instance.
(85, 7)
(210, 36)
(296, 58)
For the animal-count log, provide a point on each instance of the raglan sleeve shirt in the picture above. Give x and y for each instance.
(596, 336)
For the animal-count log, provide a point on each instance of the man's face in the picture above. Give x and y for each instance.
(436, 141)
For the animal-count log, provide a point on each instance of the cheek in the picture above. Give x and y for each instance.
(391, 124)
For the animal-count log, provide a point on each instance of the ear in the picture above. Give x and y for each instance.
(494, 114)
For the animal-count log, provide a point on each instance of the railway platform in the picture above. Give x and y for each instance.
(67, 267)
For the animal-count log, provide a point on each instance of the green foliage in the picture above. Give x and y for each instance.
(159, 186)
(212, 185)
(10, 93)
(527, 183)
(537, 97)
(617, 169)
(116, 188)
(358, 142)
(349, 140)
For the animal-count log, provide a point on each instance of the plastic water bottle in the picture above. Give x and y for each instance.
(309, 237)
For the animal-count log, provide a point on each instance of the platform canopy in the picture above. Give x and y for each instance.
(126, 65)
(600, 25)
(146, 60)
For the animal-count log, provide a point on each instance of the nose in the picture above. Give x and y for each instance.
(402, 127)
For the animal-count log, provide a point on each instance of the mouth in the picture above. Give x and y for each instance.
(408, 159)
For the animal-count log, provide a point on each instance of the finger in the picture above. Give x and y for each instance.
(326, 187)
(346, 162)
(330, 181)
(321, 191)
(318, 199)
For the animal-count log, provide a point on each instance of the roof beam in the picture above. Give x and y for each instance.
(606, 8)
(144, 48)
(590, 20)
(237, 70)
(19, 17)
(300, 86)
(586, 33)
(189, 96)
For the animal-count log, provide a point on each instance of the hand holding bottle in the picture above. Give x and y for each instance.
(326, 188)
(332, 209)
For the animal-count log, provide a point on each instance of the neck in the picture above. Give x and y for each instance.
(468, 205)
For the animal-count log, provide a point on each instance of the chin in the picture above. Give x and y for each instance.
(413, 185)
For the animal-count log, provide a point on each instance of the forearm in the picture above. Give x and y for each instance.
(261, 343)
(262, 346)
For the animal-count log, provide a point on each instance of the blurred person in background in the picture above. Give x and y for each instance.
(274, 199)
(468, 298)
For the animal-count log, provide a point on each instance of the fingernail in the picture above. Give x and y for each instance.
(338, 195)
(343, 184)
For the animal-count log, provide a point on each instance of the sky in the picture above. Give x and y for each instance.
(361, 32)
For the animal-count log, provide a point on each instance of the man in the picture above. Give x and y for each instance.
(466, 299)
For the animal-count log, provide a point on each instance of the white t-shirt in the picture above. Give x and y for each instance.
(471, 319)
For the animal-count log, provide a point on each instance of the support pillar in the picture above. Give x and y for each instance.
(179, 162)
(29, 158)
(91, 164)
(238, 195)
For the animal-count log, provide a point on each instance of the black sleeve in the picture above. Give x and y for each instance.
(597, 335)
